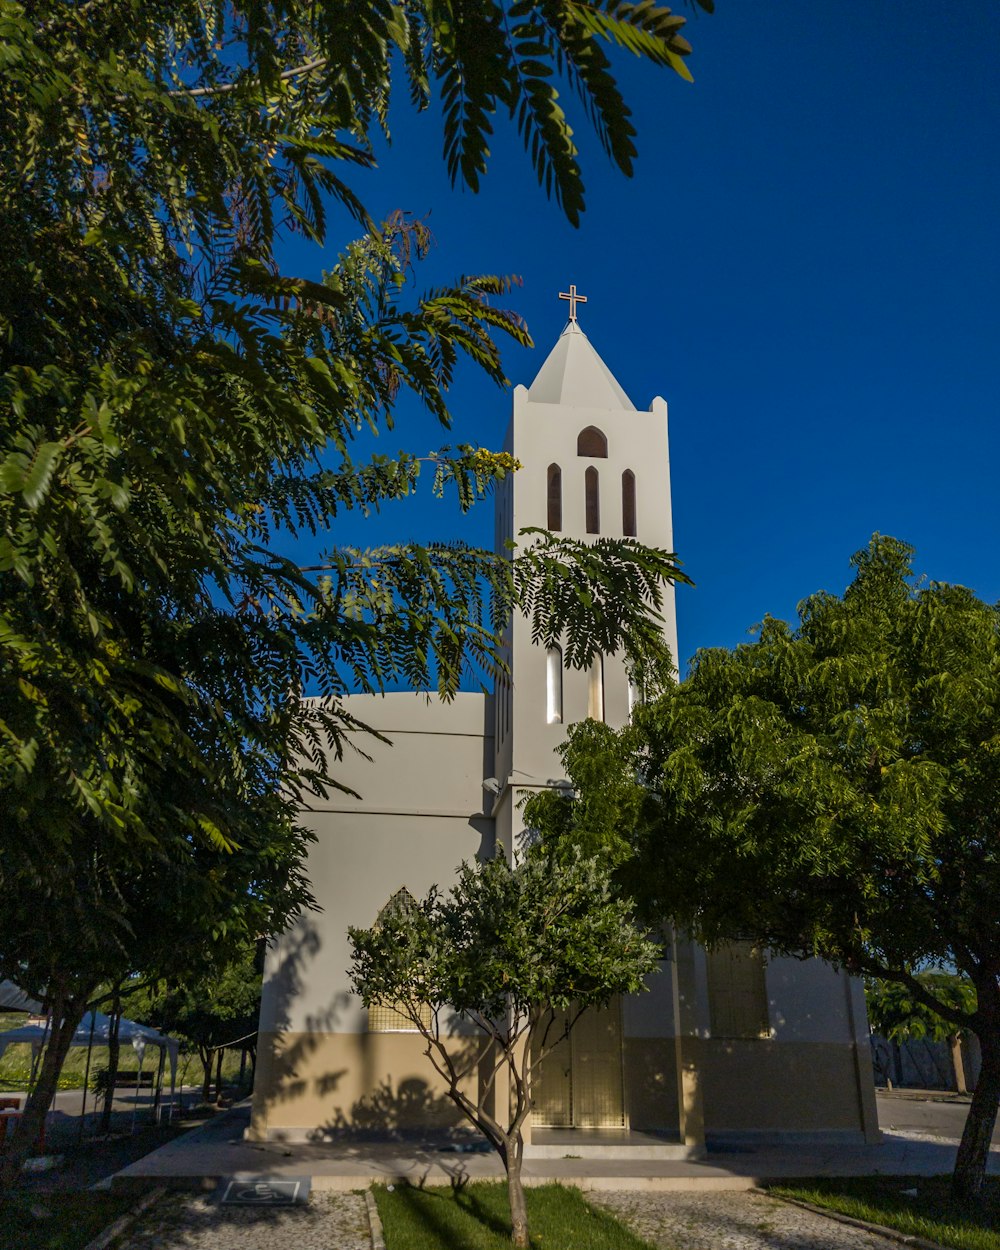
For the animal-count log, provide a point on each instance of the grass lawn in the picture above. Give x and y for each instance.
(931, 1213)
(476, 1217)
(58, 1221)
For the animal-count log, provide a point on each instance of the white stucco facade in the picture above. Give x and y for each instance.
(424, 809)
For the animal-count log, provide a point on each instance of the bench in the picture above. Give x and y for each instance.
(129, 1080)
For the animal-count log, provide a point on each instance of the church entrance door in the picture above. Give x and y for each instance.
(579, 1084)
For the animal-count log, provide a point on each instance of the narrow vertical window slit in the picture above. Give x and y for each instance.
(628, 504)
(554, 498)
(595, 689)
(553, 686)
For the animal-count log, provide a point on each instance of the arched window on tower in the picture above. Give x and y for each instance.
(553, 686)
(628, 503)
(554, 498)
(592, 488)
(591, 442)
(595, 688)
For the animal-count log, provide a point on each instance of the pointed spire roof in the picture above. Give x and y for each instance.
(575, 376)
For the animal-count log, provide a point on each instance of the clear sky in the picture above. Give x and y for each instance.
(806, 265)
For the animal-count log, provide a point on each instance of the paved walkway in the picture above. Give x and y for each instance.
(188, 1222)
(218, 1150)
(732, 1221)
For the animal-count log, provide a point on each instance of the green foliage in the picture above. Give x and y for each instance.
(173, 404)
(210, 1011)
(471, 1217)
(520, 940)
(895, 1013)
(503, 951)
(832, 789)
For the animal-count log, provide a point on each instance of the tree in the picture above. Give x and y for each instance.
(504, 951)
(212, 1011)
(173, 403)
(896, 1015)
(833, 789)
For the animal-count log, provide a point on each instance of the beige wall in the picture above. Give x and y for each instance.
(795, 1087)
(314, 1085)
(651, 1083)
(419, 815)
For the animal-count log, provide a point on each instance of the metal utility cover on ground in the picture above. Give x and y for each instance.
(263, 1191)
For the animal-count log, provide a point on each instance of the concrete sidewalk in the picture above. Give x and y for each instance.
(200, 1159)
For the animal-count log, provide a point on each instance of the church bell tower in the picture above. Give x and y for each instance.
(593, 465)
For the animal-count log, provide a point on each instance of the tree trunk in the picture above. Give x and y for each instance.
(958, 1062)
(66, 1016)
(219, 1055)
(114, 1056)
(206, 1055)
(515, 1195)
(973, 1152)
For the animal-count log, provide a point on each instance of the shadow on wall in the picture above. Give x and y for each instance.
(409, 1109)
(278, 1078)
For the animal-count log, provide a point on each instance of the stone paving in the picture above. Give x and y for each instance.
(731, 1221)
(183, 1221)
(669, 1221)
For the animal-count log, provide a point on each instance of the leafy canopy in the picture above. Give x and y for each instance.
(173, 403)
(895, 1013)
(505, 951)
(831, 788)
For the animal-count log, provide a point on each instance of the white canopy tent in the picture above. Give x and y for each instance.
(96, 1030)
(13, 998)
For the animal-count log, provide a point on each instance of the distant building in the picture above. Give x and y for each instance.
(725, 1045)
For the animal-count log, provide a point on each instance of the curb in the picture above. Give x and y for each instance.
(374, 1223)
(891, 1234)
(125, 1222)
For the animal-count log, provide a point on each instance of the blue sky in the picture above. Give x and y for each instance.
(806, 265)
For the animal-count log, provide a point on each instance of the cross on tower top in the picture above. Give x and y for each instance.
(574, 299)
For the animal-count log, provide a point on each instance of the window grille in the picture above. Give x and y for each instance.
(737, 992)
(387, 1018)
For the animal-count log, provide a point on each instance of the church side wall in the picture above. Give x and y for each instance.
(810, 1078)
(320, 1068)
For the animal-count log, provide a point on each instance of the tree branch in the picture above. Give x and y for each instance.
(920, 991)
(223, 88)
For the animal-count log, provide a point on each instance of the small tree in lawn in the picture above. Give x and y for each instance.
(505, 950)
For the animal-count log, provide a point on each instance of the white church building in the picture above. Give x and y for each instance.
(726, 1046)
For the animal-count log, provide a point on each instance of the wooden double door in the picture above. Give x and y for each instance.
(579, 1084)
